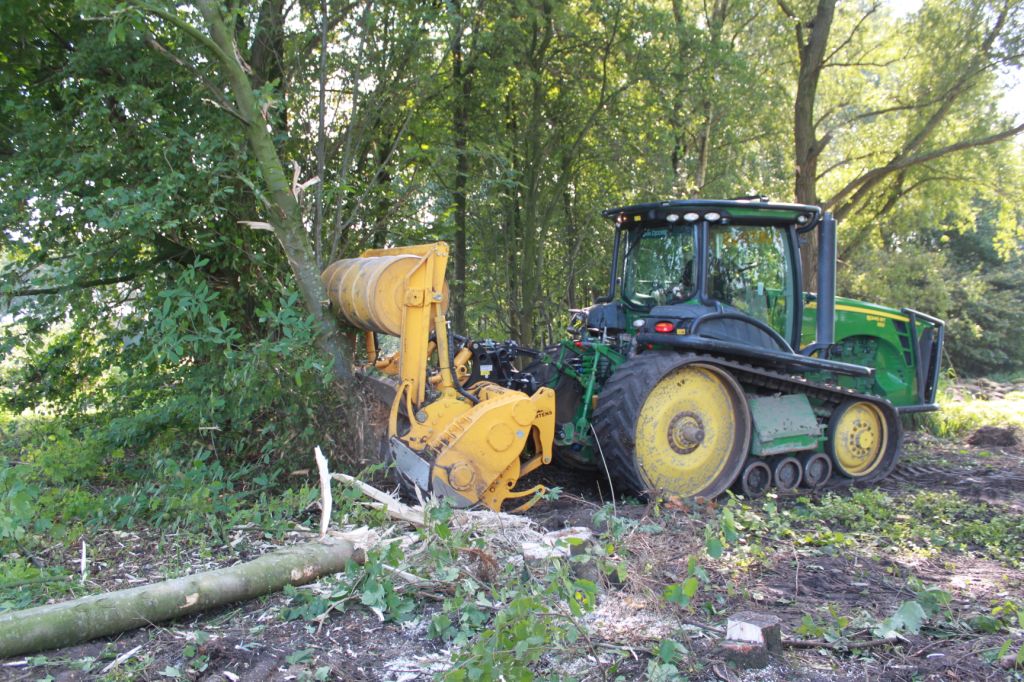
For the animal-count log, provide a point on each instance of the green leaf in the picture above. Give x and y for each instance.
(373, 594)
(669, 650)
(910, 617)
(714, 547)
(440, 626)
(681, 594)
(729, 526)
(985, 623)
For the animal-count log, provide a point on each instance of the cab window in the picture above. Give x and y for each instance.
(660, 268)
(750, 269)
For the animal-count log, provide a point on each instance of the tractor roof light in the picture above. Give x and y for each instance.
(664, 327)
(712, 216)
(691, 217)
(802, 218)
(672, 217)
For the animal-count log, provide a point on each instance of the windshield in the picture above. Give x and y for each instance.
(749, 268)
(660, 267)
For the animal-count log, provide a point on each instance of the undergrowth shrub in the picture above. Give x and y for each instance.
(959, 416)
(921, 521)
(197, 428)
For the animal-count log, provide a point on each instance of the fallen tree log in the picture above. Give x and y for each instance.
(58, 625)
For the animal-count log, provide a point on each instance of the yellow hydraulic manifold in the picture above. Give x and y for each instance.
(469, 444)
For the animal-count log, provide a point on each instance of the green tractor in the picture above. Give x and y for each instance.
(707, 365)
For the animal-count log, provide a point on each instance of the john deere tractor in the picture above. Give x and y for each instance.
(705, 366)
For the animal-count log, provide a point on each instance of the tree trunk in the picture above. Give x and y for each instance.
(704, 149)
(716, 25)
(286, 216)
(58, 625)
(460, 131)
(534, 155)
(807, 147)
(321, 140)
(682, 57)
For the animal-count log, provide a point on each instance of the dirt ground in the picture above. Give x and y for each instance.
(252, 641)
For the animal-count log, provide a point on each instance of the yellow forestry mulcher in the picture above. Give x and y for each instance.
(449, 436)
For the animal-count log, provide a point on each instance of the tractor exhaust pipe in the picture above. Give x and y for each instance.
(825, 331)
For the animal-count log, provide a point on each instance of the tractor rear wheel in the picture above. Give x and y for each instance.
(665, 424)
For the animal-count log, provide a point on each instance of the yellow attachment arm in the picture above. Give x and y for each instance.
(398, 291)
(479, 454)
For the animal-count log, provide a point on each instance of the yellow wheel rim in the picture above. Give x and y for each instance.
(689, 431)
(859, 439)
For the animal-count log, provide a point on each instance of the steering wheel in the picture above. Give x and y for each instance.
(740, 269)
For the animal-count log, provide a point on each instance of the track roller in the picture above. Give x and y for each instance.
(755, 479)
(817, 469)
(787, 473)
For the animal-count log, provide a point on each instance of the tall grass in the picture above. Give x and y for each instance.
(959, 415)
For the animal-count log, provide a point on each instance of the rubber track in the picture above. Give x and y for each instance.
(614, 420)
(623, 395)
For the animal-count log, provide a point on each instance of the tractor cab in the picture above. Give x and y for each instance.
(725, 271)
(724, 278)
(747, 265)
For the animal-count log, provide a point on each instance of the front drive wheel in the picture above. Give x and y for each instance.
(863, 439)
(666, 424)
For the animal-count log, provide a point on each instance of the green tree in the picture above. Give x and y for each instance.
(250, 107)
(881, 103)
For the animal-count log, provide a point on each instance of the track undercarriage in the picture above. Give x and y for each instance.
(682, 424)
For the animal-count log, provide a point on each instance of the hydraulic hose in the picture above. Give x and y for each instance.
(451, 368)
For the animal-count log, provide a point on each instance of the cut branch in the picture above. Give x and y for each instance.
(395, 509)
(837, 646)
(58, 625)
